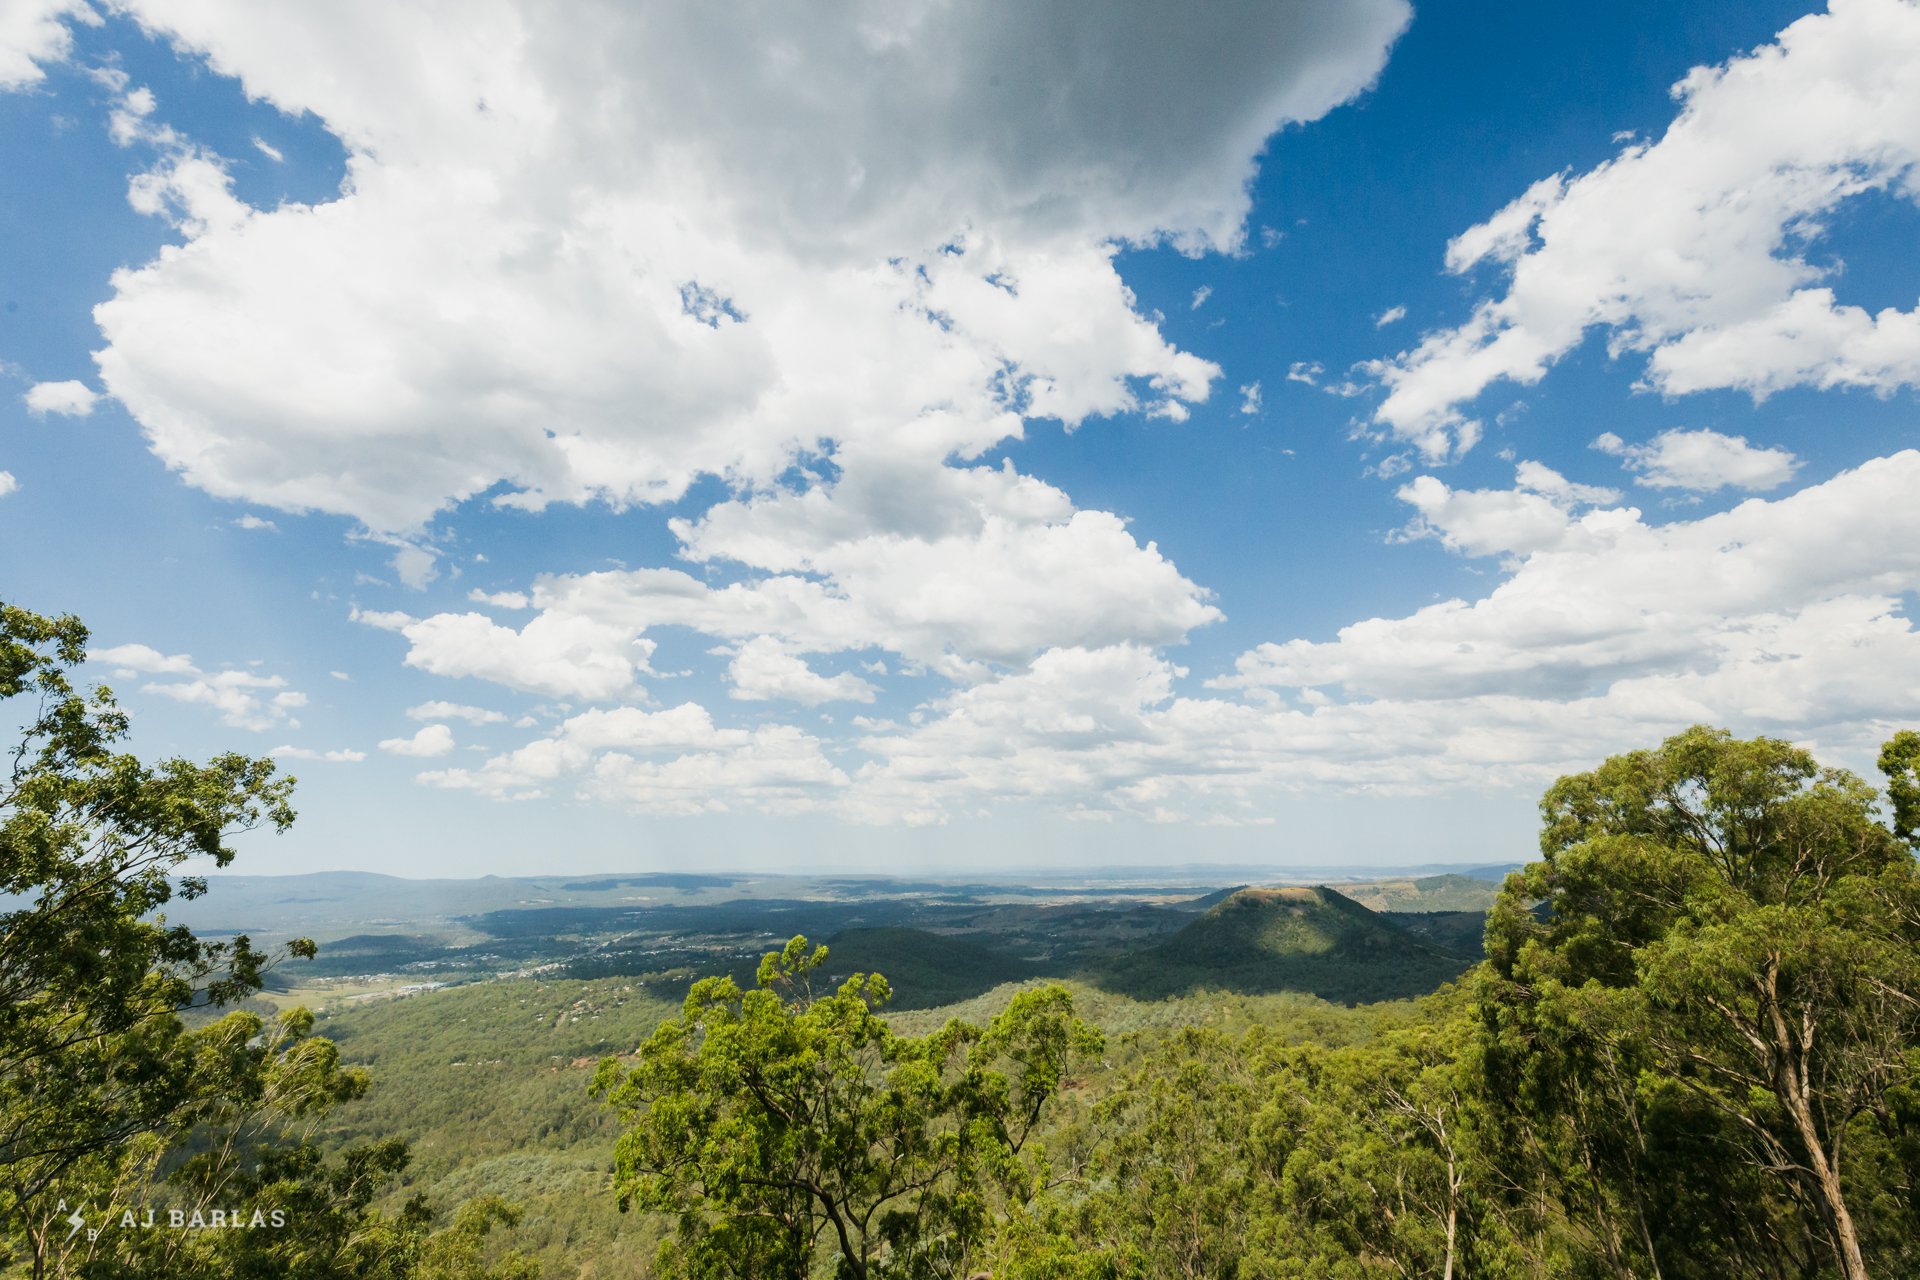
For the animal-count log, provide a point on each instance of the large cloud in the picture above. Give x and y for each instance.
(596, 249)
(1783, 617)
(568, 656)
(956, 570)
(1766, 606)
(762, 671)
(1604, 632)
(1698, 249)
(602, 254)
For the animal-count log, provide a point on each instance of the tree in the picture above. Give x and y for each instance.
(1248, 1155)
(1900, 761)
(782, 1126)
(92, 1052)
(1189, 1156)
(1720, 954)
(110, 1101)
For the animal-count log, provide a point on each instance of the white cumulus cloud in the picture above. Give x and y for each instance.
(957, 570)
(68, 399)
(568, 656)
(145, 659)
(1702, 461)
(35, 32)
(1601, 632)
(243, 699)
(432, 740)
(764, 671)
(568, 268)
(343, 755)
(675, 761)
(1697, 249)
(1784, 613)
(1532, 516)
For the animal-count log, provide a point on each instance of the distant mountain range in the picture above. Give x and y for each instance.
(337, 903)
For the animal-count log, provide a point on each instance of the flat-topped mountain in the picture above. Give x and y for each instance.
(1311, 939)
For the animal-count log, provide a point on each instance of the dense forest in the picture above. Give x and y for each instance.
(1690, 1048)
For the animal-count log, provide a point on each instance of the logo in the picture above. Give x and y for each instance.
(149, 1219)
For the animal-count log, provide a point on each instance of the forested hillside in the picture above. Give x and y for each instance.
(1314, 940)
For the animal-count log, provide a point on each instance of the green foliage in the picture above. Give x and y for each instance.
(487, 1082)
(111, 1104)
(92, 978)
(1460, 932)
(1250, 1154)
(299, 1214)
(1717, 1000)
(923, 969)
(780, 1125)
(1900, 761)
(1300, 939)
(459, 1251)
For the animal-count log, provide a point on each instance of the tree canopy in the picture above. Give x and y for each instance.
(110, 1101)
(1703, 1004)
(780, 1124)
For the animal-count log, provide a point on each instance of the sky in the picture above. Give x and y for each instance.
(1019, 436)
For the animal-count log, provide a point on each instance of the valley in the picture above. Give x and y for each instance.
(937, 941)
(481, 1008)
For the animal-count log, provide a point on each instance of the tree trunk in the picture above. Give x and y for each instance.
(1846, 1239)
(1790, 1085)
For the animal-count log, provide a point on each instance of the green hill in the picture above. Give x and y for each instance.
(1426, 893)
(1295, 939)
(925, 969)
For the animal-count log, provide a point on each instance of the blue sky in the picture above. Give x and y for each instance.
(604, 436)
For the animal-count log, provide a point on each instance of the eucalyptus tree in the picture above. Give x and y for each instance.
(784, 1126)
(1703, 999)
(93, 1053)
(113, 1103)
